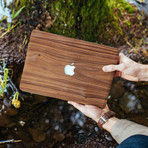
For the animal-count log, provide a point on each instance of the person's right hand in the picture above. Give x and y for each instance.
(127, 69)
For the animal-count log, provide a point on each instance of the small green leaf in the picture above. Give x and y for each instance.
(9, 26)
(6, 75)
(3, 90)
(18, 12)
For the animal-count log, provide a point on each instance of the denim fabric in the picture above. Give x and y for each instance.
(136, 141)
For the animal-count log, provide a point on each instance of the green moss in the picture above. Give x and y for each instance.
(125, 6)
(88, 19)
(128, 24)
(18, 4)
(79, 17)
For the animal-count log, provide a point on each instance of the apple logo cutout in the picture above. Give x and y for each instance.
(69, 69)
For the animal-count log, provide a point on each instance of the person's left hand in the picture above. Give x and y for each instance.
(90, 111)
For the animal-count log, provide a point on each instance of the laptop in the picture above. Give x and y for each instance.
(70, 69)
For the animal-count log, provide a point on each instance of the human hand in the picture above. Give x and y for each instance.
(127, 69)
(90, 111)
(95, 112)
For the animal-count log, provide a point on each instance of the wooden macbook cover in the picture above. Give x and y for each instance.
(68, 69)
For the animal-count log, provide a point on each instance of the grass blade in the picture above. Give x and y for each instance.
(18, 12)
(3, 90)
(5, 75)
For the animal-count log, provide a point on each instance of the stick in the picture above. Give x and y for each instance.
(10, 141)
(8, 30)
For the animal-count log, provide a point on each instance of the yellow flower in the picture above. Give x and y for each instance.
(16, 103)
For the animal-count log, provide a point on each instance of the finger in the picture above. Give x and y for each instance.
(110, 68)
(70, 102)
(128, 77)
(77, 105)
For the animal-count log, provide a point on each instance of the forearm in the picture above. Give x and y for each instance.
(122, 129)
(143, 72)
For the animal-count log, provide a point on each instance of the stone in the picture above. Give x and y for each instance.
(11, 111)
(59, 137)
(117, 89)
(108, 137)
(129, 102)
(37, 134)
(57, 115)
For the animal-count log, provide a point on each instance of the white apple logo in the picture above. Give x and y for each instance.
(69, 69)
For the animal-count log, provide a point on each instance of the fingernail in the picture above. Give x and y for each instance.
(69, 102)
(104, 68)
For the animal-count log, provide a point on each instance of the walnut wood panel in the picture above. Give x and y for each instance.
(46, 58)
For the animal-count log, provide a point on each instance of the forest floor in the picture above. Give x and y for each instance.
(51, 122)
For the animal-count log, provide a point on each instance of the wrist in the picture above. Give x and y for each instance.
(143, 72)
(105, 117)
(110, 123)
(97, 119)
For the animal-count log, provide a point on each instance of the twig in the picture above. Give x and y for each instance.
(8, 30)
(10, 141)
(130, 44)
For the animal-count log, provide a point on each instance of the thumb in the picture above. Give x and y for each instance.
(110, 68)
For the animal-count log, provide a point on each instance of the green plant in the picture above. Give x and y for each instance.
(3, 85)
(15, 100)
(20, 3)
(88, 19)
(14, 15)
(3, 81)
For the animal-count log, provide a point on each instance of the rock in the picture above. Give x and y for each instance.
(37, 134)
(11, 111)
(129, 103)
(142, 94)
(4, 120)
(6, 102)
(45, 124)
(57, 115)
(97, 130)
(108, 137)
(117, 89)
(59, 137)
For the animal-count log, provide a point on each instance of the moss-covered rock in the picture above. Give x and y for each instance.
(89, 19)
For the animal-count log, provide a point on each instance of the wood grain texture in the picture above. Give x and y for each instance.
(46, 58)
